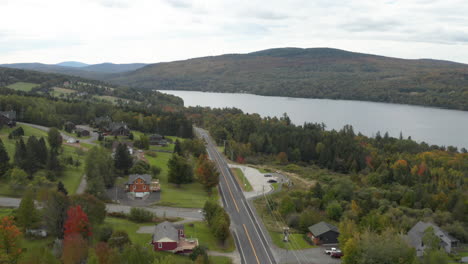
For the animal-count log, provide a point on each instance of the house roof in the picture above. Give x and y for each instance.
(133, 177)
(9, 114)
(416, 234)
(114, 126)
(166, 232)
(321, 228)
(155, 137)
(79, 129)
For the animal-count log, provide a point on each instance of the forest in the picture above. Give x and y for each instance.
(380, 186)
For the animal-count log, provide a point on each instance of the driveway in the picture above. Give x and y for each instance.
(118, 195)
(257, 179)
(311, 255)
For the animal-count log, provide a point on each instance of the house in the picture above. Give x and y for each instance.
(141, 185)
(156, 139)
(416, 234)
(119, 129)
(323, 233)
(80, 132)
(8, 118)
(171, 237)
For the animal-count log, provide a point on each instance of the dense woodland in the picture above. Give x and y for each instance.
(312, 73)
(372, 184)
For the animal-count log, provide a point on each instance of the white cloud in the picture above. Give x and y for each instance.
(121, 31)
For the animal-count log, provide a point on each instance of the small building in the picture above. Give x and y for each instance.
(69, 126)
(171, 238)
(80, 132)
(8, 118)
(119, 129)
(156, 139)
(416, 234)
(323, 233)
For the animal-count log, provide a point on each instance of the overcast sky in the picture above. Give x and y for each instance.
(121, 31)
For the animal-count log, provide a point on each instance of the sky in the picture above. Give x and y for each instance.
(149, 31)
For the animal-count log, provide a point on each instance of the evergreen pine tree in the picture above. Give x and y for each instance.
(27, 215)
(123, 160)
(41, 152)
(177, 148)
(61, 188)
(20, 153)
(4, 159)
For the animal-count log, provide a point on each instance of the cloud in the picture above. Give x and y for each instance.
(114, 3)
(179, 3)
(368, 24)
(269, 15)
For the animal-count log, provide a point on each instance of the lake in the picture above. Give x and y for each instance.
(432, 125)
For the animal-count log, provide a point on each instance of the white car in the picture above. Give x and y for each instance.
(331, 250)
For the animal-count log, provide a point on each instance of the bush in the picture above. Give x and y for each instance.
(141, 215)
(151, 154)
(104, 233)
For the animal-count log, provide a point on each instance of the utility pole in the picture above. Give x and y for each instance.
(286, 234)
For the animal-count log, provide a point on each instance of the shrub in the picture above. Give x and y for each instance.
(141, 215)
(104, 233)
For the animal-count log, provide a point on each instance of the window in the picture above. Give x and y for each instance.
(159, 245)
(144, 187)
(134, 187)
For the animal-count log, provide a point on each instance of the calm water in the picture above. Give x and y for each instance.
(432, 125)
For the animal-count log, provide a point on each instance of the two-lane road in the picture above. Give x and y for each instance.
(250, 240)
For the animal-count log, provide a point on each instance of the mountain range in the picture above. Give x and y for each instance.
(294, 72)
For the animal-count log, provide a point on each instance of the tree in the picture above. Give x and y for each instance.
(55, 213)
(27, 215)
(123, 160)
(207, 173)
(177, 147)
(286, 206)
(94, 208)
(334, 210)
(435, 257)
(55, 139)
(317, 191)
(20, 153)
(430, 239)
(61, 188)
(282, 158)
(18, 177)
(77, 223)
(53, 163)
(39, 255)
(75, 249)
(136, 254)
(99, 172)
(220, 226)
(119, 239)
(10, 250)
(180, 171)
(140, 167)
(4, 159)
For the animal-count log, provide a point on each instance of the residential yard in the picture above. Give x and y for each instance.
(131, 228)
(5, 212)
(296, 242)
(22, 86)
(220, 260)
(187, 195)
(241, 179)
(202, 231)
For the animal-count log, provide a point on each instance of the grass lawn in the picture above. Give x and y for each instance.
(87, 145)
(201, 231)
(296, 242)
(188, 195)
(57, 91)
(22, 86)
(220, 260)
(5, 212)
(10, 143)
(220, 149)
(72, 175)
(130, 228)
(241, 179)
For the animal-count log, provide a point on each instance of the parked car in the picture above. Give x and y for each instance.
(336, 254)
(267, 175)
(272, 181)
(330, 250)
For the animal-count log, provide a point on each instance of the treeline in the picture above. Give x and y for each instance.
(377, 182)
(54, 113)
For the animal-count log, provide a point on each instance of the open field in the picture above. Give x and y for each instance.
(202, 231)
(22, 86)
(187, 195)
(130, 228)
(58, 92)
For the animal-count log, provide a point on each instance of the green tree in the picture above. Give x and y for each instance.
(94, 208)
(99, 170)
(317, 191)
(430, 239)
(435, 257)
(55, 139)
(27, 215)
(177, 147)
(180, 170)
(61, 188)
(122, 159)
(18, 178)
(136, 254)
(286, 206)
(20, 153)
(119, 239)
(334, 210)
(55, 213)
(4, 159)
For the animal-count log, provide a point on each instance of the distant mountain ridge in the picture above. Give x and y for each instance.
(75, 64)
(295, 72)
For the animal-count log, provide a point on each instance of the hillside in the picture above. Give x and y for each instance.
(75, 64)
(313, 73)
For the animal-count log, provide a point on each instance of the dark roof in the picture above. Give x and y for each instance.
(416, 233)
(155, 137)
(79, 129)
(9, 114)
(114, 126)
(102, 119)
(146, 177)
(321, 228)
(166, 229)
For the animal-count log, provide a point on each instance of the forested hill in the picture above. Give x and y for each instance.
(314, 73)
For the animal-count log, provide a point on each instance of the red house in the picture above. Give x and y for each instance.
(170, 237)
(141, 184)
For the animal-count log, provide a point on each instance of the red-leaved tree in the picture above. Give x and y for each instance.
(10, 251)
(77, 223)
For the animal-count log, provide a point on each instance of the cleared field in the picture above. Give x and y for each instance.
(22, 86)
(57, 91)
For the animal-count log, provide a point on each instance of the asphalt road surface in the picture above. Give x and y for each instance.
(250, 239)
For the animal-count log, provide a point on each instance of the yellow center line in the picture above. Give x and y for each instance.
(227, 183)
(250, 241)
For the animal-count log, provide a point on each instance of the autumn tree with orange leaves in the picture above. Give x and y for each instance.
(206, 173)
(10, 251)
(77, 222)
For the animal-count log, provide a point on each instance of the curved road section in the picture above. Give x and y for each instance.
(250, 239)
